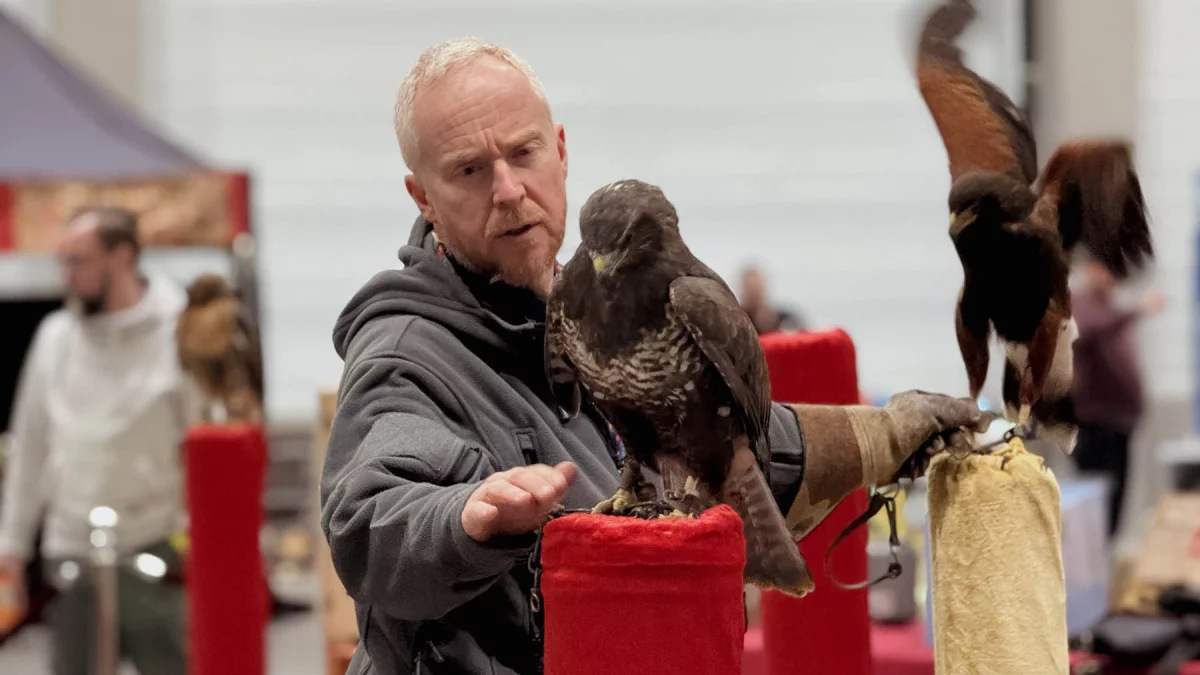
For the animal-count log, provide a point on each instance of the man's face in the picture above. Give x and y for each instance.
(87, 268)
(491, 172)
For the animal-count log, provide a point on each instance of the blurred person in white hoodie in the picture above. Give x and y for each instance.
(100, 412)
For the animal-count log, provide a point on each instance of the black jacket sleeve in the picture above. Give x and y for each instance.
(395, 480)
(787, 455)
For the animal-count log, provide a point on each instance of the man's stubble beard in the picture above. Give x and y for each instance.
(93, 305)
(535, 275)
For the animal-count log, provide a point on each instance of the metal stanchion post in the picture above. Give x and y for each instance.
(104, 569)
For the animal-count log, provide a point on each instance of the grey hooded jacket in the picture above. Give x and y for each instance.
(438, 392)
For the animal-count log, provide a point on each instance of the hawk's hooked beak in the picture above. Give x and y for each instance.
(597, 262)
(959, 221)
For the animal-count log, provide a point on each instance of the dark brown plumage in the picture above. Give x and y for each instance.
(219, 349)
(1015, 231)
(661, 345)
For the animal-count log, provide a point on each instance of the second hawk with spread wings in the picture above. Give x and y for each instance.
(1015, 230)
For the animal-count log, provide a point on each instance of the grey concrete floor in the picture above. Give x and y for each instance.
(295, 646)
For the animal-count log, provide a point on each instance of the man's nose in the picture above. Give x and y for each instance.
(507, 188)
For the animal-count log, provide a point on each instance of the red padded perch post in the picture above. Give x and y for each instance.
(227, 592)
(829, 630)
(644, 597)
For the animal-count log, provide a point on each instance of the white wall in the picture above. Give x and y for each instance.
(1168, 155)
(34, 14)
(787, 132)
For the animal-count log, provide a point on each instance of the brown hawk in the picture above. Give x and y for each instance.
(219, 349)
(662, 347)
(1015, 230)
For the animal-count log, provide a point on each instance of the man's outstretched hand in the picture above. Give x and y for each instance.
(516, 501)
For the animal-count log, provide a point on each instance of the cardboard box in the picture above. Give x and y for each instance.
(337, 608)
(1170, 552)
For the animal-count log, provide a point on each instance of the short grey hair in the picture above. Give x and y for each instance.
(435, 62)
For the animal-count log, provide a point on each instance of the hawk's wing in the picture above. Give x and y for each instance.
(564, 382)
(247, 348)
(1092, 189)
(980, 126)
(727, 337)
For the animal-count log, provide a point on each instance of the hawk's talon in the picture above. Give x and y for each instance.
(615, 505)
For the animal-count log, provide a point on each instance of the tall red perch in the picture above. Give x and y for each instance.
(828, 631)
(644, 597)
(227, 592)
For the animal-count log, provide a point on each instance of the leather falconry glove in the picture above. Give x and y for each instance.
(847, 447)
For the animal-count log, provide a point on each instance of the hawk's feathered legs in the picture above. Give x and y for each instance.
(636, 496)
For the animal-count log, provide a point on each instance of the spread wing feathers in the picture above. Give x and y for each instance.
(980, 126)
(1098, 199)
(725, 334)
(564, 381)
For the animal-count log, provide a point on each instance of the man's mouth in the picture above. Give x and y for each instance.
(518, 230)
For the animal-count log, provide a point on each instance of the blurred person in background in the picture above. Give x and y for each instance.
(100, 412)
(1108, 392)
(767, 317)
(448, 450)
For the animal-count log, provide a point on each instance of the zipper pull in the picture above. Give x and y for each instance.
(525, 442)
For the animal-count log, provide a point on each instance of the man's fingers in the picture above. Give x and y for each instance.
(479, 519)
(538, 486)
(503, 493)
(955, 412)
(552, 476)
(568, 471)
(483, 513)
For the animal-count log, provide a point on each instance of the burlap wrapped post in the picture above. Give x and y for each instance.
(999, 594)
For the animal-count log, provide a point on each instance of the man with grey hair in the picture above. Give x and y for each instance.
(448, 450)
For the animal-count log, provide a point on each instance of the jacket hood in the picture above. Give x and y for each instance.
(427, 287)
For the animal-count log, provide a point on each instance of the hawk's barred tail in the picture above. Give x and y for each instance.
(773, 559)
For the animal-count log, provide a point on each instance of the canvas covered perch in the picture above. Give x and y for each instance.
(999, 595)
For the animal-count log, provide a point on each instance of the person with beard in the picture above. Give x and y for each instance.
(100, 412)
(449, 449)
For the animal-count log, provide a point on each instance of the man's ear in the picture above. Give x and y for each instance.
(562, 146)
(417, 192)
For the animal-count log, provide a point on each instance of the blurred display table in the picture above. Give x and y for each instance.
(901, 650)
(898, 650)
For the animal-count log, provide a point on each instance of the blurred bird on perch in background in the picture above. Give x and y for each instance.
(662, 346)
(219, 349)
(1015, 231)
